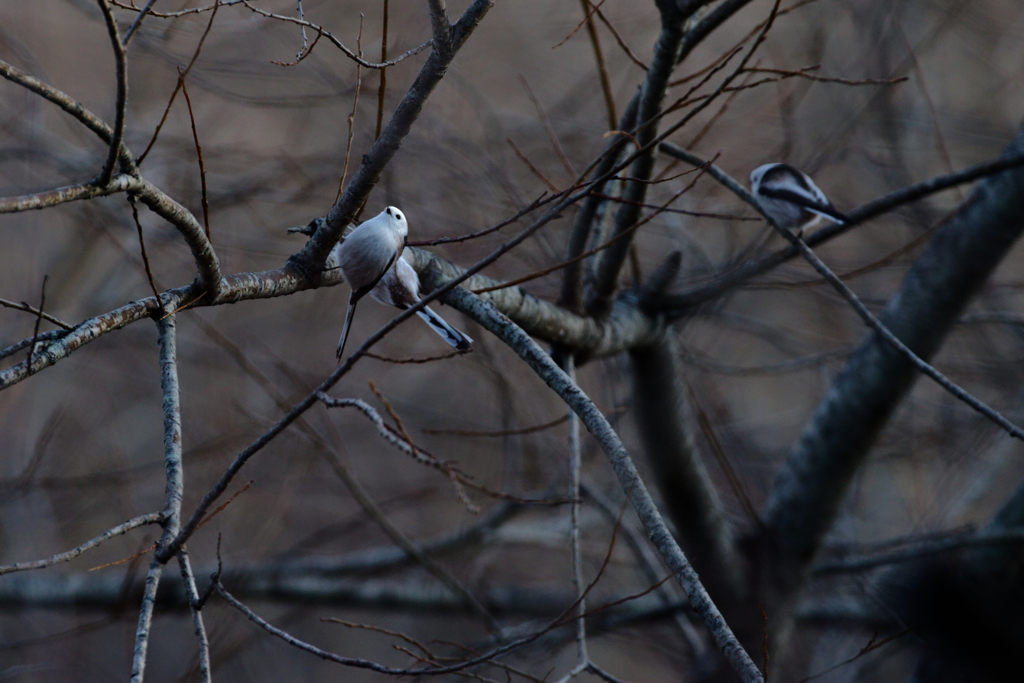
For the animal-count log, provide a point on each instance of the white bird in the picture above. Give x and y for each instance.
(790, 197)
(370, 259)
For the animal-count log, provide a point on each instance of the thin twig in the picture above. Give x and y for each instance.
(503, 432)
(352, 116)
(383, 72)
(138, 22)
(583, 21)
(121, 106)
(199, 153)
(414, 361)
(601, 247)
(36, 312)
(142, 248)
(134, 523)
(535, 204)
(602, 69)
(305, 52)
(192, 593)
(622, 44)
(181, 76)
(351, 55)
(39, 319)
(533, 169)
(873, 644)
(549, 129)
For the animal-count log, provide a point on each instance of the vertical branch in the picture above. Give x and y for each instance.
(173, 491)
(121, 58)
(192, 594)
(355, 105)
(571, 296)
(602, 69)
(652, 95)
(142, 248)
(575, 465)
(181, 77)
(686, 488)
(383, 73)
(199, 153)
(39, 319)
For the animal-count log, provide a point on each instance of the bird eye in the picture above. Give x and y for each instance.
(398, 216)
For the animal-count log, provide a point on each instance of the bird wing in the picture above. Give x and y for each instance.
(811, 204)
(365, 289)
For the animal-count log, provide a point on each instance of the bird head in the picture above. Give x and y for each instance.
(397, 220)
(757, 175)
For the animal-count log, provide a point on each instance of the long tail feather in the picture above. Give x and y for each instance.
(458, 340)
(345, 330)
(830, 213)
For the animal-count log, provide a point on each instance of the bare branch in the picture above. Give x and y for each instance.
(679, 303)
(491, 319)
(174, 489)
(121, 106)
(138, 22)
(652, 94)
(134, 523)
(310, 260)
(192, 593)
(319, 29)
(689, 496)
(182, 75)
(34, 311)
(90, 120)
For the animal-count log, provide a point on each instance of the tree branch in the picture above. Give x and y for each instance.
(174, 488)
(121, 106)
(491, 319)
(680, 304)
(686, 489)
(134, 523)
(310, 260)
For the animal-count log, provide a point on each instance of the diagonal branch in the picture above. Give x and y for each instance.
(134, 523)
(491, 319)
(86, 117)
(678, 304)
(311, 259)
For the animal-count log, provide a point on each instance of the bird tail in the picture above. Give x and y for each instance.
(457, 340)
(830, 213)
(345, 330)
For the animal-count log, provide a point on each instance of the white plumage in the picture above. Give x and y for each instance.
(370, 259)
(790, 197)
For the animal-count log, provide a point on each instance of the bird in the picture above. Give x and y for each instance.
(790, 197)
(370, 259)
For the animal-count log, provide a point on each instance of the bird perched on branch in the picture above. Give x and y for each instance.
(370, 259)
(790, 197)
